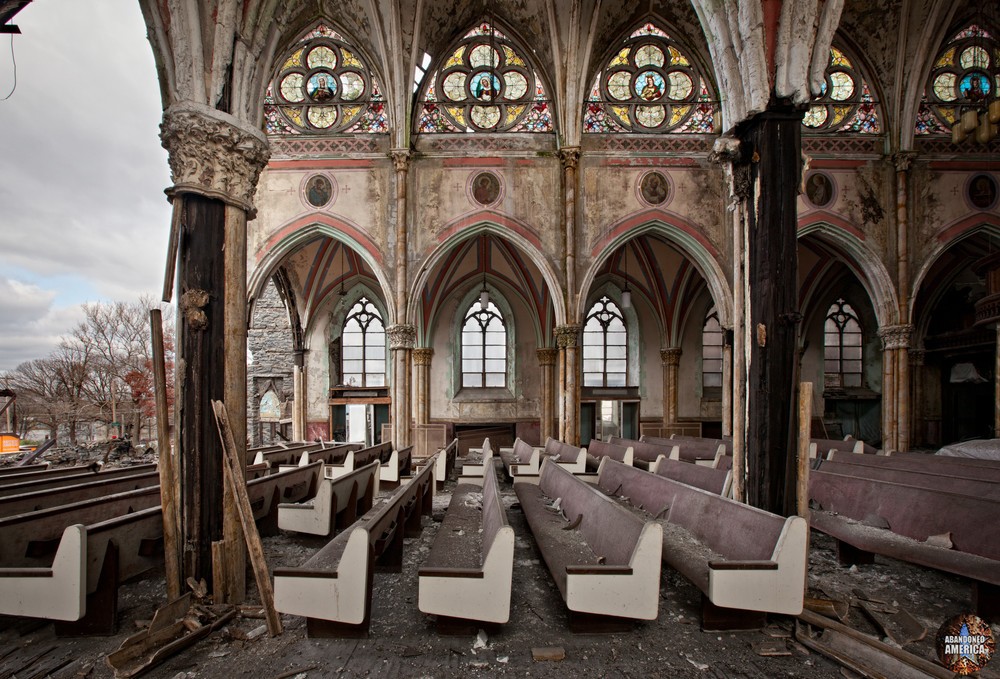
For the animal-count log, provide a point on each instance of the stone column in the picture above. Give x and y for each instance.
(422, 373)
(401, 164)
(996, 388)
(895, 386)
(570, 156)
(298, 395)
(671, 358)
(546, 363)
(727, 383)
(215, 162)
(567, 340)
(402, 337)
(917, 430)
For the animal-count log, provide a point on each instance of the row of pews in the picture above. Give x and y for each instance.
(69, 536)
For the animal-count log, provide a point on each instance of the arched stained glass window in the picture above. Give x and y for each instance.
(650, 85)
(711, 351)
(323, 86)
(363, 346)
(486, 84)
(605, 346)
(484, 347)
(846, 103)
(842, 349)
(960, 77)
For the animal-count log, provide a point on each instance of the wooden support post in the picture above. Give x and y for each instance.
(168, 473)
(236, 482)
(805, 420)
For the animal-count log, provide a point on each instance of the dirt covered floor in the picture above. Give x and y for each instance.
(404, 643)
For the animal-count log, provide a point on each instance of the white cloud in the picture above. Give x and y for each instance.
(30, 324)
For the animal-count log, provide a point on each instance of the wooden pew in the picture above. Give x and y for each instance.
(718, 481)
(473, 472)
(468, 573)
(396, 465)
(337, 503)
(294, 484)
(84, 475)
(645, 453)
(820, 447)
(11, 505)
(286, 456)
(604, 560)
(521, 460)
(955, 460)
(918, 462)
(747, 562)
(445, 461)
(967, 484)
(355, 459)
(571, 458)
(849, 506)
(697, 450)
(39, 472)
(333, 588)
(726, 441)
(598, 450)
(26, 469)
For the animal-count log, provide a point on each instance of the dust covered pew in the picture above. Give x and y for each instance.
(395, 465)
(294, 484)
(746, 561)
(967, 484)
(337, 503)
(473, 472)
(467, 574)
(521, 460)
(604, 559)
(598, 450)
(95, 486)
(718, 481)
(83, 475)
(333, 588)
(355, 459)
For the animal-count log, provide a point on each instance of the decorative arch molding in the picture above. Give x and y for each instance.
(498, 225)
(301, 231)
(691, 242)
(946, 239)
(868, 267)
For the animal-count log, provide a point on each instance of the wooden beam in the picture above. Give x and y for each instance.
(235, 481)
(805, 426)
(168, 472)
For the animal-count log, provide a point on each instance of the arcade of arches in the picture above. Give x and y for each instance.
(537, 216)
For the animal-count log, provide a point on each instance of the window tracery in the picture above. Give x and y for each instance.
(322, 87)
(484, 347)
(605, 346)
(842, 346)
(363, 346)
(485, 85)
(846, 103)
(650, 85)
(959, 78)
(711, 351)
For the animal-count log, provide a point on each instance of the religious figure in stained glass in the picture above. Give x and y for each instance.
(321, 86)
(650, 85)
(485, 84)
(845, 104)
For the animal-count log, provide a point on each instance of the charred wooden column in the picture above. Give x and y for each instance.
(546, 365)
(671, 359)
(567, 339)
(422, 378)
(215, 162)
(771, 147)
(402, 337)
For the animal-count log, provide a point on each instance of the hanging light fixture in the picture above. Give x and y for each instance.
(343, 269)
(484, 294)
(626, 293)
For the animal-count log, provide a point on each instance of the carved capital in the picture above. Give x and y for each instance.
(567, 335)
(547, 357)
(423, 356)
(570, 156)
(213, 154)
(400, 159)
(401, 336)
(903, 160)
(895, 336)
(671, 356)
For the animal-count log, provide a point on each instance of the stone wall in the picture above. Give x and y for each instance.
(269, 361)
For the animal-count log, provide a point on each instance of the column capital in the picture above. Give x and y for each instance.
(917, 356)
(400, 159)
(895, 336)
(213, 154)
(423, 356)
(671, 355)
(570, 156)
(567, 335)
(401, 336)
(547, 356)
(903, 160)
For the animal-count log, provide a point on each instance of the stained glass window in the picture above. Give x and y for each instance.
(363, 346)
(711, 351)
(846, 104)
(605, 346)
(842, 346)
(486, 84)
(649, 84)
(323, 86)
(960, 77)
(484, 347)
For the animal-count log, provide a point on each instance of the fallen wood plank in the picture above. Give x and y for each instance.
(901, 627)
(28, 459)
(831, 608)
(236, 481)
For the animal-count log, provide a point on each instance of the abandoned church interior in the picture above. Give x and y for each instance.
(596, 249)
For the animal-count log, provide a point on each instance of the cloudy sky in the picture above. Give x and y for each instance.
(83, 217)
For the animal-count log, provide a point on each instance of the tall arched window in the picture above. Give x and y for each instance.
(842, 346)
(846, 104)
(322, 86)
(363, 346)
(484, 347)
(605, 346)
(711, 351)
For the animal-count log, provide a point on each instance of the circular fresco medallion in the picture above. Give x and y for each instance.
(654, 188)
(982, 191)
(819, 189)
(485, 188)
(318, 190)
